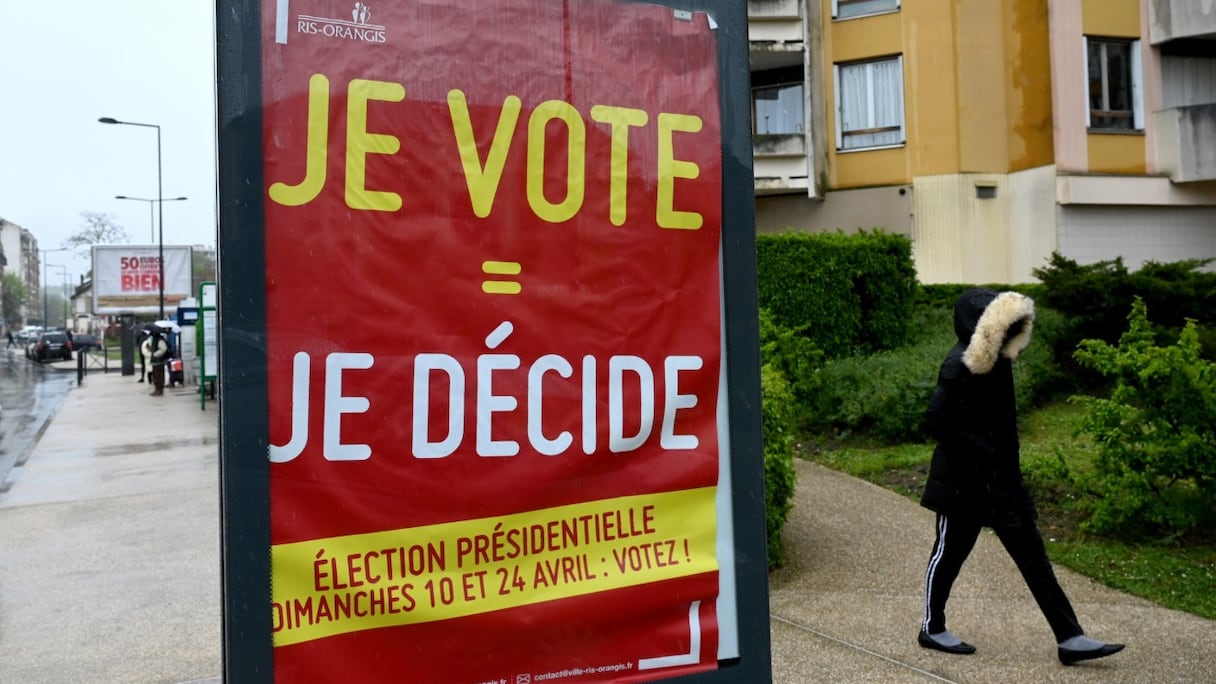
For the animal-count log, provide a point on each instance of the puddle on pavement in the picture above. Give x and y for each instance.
(146, 447)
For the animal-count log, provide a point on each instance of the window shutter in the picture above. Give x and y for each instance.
(1137, 89)
(835, 9)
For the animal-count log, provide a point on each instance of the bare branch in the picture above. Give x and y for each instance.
(98, 229)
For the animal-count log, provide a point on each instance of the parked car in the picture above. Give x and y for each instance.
(52, 345)
(84, 341)
(28, 334)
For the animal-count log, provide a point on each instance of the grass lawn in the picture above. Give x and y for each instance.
(1179, 575)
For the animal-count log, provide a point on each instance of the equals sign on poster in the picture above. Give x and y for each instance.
(501, 268)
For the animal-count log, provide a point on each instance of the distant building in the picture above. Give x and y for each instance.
(19, 248)
(83, 319)
(990, 133)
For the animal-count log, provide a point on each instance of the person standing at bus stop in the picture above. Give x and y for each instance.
(156, 350)
(140, 337)
(975, 477)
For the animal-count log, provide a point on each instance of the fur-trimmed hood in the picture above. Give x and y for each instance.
(982, 321)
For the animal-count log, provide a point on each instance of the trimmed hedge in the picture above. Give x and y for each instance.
(853, 294)
(792, 353)
(777, 412)
(885, 395)
(945, 295)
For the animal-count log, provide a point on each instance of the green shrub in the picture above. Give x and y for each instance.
(1047, 476)
(848, 293)
(884, 394)
(793, 353)
(1038, 377)
(945, 295)
(1156, 433)
(777, 415)
(1092, 300)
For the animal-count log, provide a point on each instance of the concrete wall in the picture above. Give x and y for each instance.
(1032, 221)
(957, 236)
(963, 237)
(1137, 233)
(848, 210)
(1068, 87)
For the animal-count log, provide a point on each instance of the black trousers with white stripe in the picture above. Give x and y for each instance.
(956, 536)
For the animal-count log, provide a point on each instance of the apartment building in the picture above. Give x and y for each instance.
(991, 132)
(19, 248)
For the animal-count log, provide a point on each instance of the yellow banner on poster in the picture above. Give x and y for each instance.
(325, 587)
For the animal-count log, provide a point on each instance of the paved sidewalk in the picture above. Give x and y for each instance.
(848, 604)
(109, 541)
(109, 571)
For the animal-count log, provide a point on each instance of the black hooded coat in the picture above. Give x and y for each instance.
(975, 470)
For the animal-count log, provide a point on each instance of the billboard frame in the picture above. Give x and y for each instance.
(244, 469)
(152, 251)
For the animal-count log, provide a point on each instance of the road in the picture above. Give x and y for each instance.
(29, 393)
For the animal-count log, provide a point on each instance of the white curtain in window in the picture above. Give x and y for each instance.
(871, 96)
(854, 99)
(888, 101)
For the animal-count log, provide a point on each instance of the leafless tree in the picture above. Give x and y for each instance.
(98, 229)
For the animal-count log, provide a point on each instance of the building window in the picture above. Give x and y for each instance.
(1112, 75)
(870, 104)
(843, 9)
(778, 109)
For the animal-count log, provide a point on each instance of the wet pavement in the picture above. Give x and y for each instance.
(109, 541)
(110, 566)
(30, 393)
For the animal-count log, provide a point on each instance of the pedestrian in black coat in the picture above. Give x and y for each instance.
(975, 478)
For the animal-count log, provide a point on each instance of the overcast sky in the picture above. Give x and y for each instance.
(65, 64)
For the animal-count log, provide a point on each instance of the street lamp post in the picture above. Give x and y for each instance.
(160, 203)
(151, 220)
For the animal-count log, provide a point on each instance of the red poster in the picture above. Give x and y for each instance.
(494, 339)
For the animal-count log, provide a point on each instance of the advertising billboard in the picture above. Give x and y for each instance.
(126, 278)
(499, 441)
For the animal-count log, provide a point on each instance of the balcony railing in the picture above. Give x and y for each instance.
(779, 163)
(1177, 20)
(774, 21)
(779, 145)
(772, 9)
(1186, 142)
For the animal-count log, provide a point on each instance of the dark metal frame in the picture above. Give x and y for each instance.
(248, 651)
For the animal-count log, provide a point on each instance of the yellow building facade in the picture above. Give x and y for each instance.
(992, 133)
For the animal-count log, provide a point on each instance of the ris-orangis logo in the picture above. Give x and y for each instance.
(358, 28)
